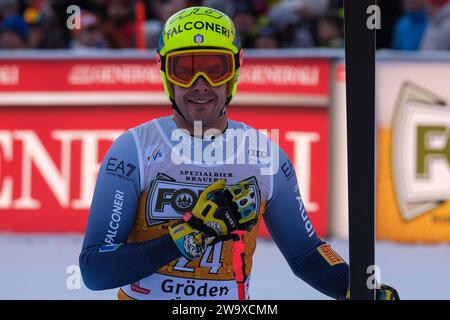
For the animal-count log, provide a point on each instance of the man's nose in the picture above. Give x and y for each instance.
(201, 85)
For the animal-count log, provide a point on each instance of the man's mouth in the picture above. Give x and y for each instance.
(201, 101)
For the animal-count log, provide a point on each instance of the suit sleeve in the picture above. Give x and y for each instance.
(106, 260)
(287, 221)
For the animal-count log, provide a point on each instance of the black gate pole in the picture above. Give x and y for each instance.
(360, 90)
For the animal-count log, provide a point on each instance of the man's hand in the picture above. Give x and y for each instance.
(215, 209)
(191, 242)
(226, 210)
(385, 292)
(218, 212)
(244, 199)
(211, 219)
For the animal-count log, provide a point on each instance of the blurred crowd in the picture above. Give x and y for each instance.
(43, 24)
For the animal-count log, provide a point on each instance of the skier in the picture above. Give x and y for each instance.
(175, 215)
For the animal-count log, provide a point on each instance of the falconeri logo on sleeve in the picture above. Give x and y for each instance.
(420, 151)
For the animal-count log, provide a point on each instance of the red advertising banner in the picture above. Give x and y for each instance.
(80, 75)
(49, 157)
(72, 108)
(303, 135)
(297, 77)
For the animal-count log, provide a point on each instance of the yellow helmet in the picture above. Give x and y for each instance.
(199, 28)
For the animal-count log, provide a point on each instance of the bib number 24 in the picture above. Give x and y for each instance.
(210, 259)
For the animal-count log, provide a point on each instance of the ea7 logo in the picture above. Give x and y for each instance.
(119, 168)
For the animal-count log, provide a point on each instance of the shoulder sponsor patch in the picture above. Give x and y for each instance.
(109, 247)
(154, 154)
(288, 169)
(329, 254)
(119, 168)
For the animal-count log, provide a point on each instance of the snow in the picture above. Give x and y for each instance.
(40, 266)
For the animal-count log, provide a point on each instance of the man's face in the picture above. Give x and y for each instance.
(11, 40)
(201, 102)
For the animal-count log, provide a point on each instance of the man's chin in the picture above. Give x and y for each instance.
(206, 116)
(206, 120)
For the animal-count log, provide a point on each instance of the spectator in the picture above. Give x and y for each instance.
(294, 30)
(245, 20)
(260, 23)
(8, 8)
(99, 8)
(437, 33)
(119, 28)
(37, 32)
(311, 9)
(152, 29)
(267, 38)
(330, 31)
(154, 24)
(57, 35)
(162, 11)
(226, 7)
(409, 28)
(391, 11)
(14, 33)
(89, 35)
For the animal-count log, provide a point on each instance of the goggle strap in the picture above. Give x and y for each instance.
(163, 63)
(237, 60)
(225, 107)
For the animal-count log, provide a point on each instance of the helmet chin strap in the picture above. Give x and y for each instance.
(225, 107)
(175, 107)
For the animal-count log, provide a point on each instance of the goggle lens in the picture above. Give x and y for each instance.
(185, 66)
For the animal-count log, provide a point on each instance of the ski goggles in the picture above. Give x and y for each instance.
(184, 67)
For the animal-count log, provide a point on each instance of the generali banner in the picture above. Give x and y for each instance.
(413, 180)
(49, 158)
(50, 155)
(286, 81)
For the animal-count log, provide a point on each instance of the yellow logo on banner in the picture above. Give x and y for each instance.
(413, 181)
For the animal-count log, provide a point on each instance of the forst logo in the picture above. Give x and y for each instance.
(184, 200)
(426, 152)
(181, 200)
(167, 199)
(421, 152)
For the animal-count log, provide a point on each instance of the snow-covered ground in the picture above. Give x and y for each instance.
(39, 267)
